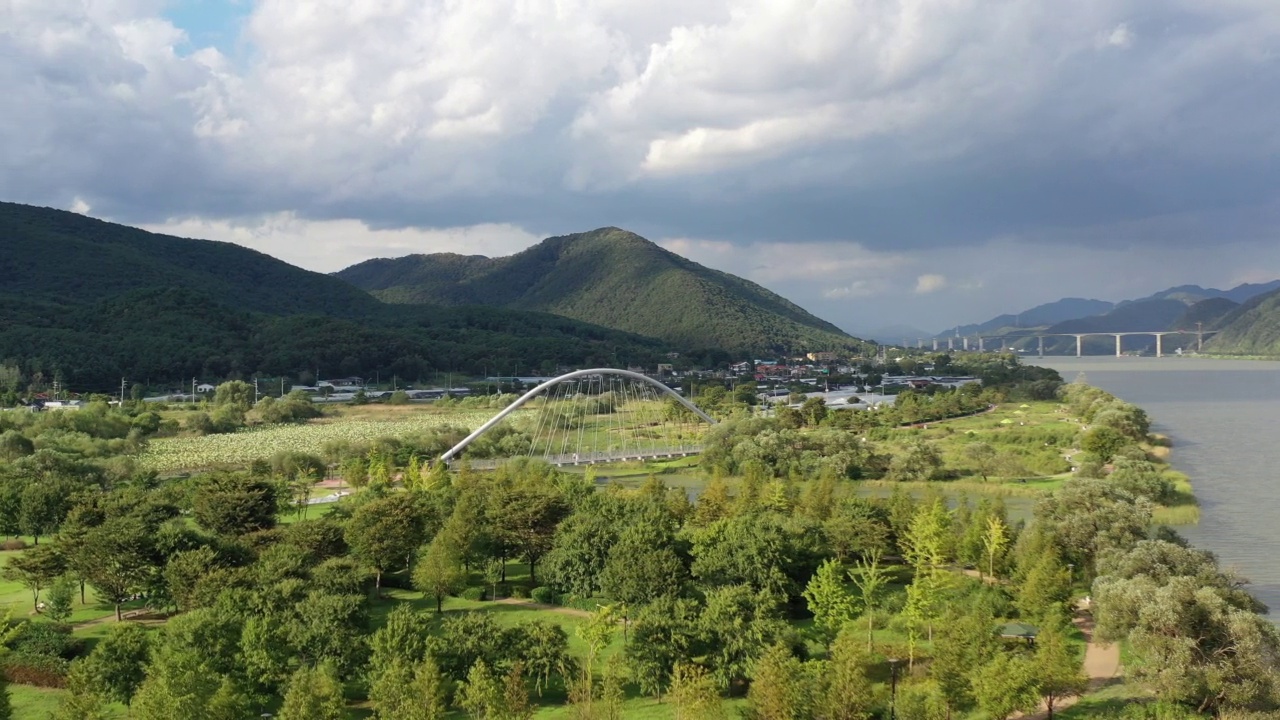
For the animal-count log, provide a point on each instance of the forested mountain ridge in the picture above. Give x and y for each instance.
(64, 257)
(1251, 329)
(90, 302)
(613, 278)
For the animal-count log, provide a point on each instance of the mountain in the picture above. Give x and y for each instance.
(1175, 308)
(1253, 328)
(1206, 313)
(1132, 316)
(613, 278)
(60, 256)
(893, 334)
(91, 302)
(1191, 294)
(1038, 316)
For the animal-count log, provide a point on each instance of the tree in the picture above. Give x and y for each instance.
(36, 568)
(80, 702)
(664, 635)
(235, 503)
(118, 560)
(117, 666)
(481, 695)
(62, 595)
(44, 504)
(1057, 667)
(694, 695)
(1006, 684)
(403, 637)
(515, 694)
(383, 533)
(404, 690)
(871, 578)
(527, 514)
(846, 691)
(315, 693)
(440, 572)
(14, 445)
(983, 456)
(963, 642)
(919, 461)
(832, 606)
(779, 688)
(994, 541)
(643, 564)
(1045, 589)
(236, 393)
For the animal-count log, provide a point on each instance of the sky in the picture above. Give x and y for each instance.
(879, 162)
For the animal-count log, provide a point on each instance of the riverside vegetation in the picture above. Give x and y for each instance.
(777, 594)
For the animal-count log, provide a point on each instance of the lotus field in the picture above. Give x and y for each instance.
(242, 448)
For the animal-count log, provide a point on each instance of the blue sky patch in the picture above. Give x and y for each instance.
(210, 22)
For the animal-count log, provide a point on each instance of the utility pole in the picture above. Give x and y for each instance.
(282, 386)
(256, 394)
(121, 392)
(193, 391)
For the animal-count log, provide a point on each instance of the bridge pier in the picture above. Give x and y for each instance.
(1159, 344)
(1118, 353)
(1040, 342)
(1079, 346)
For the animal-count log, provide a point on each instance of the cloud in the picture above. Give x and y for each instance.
(1120, 37)
(929, 283)
(331, 245)
(835, 150)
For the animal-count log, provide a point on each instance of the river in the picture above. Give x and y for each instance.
(1224, 419)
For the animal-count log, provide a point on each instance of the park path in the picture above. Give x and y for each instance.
(561, 610)
(1101, 663)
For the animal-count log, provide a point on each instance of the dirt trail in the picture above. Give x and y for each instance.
(571, 612)
(1101, 663)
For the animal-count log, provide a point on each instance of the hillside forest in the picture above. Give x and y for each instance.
(775, 591)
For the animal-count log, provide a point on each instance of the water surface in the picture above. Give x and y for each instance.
(1224, 419)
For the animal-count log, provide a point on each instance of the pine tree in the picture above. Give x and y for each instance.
(847, 692)
(481, 695)
(832, 606)
(1057, 667)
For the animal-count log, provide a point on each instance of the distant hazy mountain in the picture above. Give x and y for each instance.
(1253, 328)
(893, 334)
(1133, 316)
(1038, 316)
(1178, 307)
(1191, 294)
(613, 278)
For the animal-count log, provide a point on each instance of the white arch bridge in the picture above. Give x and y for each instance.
(588, 417)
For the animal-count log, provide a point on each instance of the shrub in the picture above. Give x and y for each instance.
(519, 592)
(544, 595)
(13, 544)
(475, 594)
(45, 638)
(37, 670)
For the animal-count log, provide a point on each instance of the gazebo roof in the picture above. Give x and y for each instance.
(1018, 630)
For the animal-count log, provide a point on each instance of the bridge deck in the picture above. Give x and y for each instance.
(572, 459)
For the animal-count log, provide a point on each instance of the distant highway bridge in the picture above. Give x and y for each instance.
(979, 342)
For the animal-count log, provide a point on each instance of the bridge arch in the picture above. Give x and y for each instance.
(535, 392)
